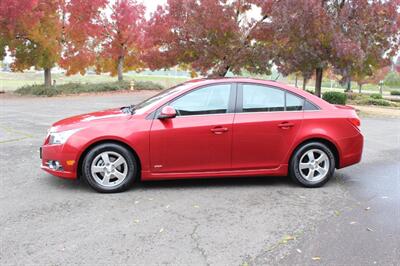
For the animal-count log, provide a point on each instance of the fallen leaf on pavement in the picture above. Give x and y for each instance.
(353, 222)
(337, 213)
(136, 221)
(316, 258)
(288, 238)
(298, 250)
(196, 206)
(161, 230)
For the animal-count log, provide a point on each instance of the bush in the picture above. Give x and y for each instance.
(335, 97)
(310, 91)
(353, 95)
(76, 88)
(380, 102)
(38, 90)
(376, 96)
(147, 85)
(396, 92)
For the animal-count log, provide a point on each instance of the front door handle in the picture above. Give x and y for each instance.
(219, 130)
(286, 125)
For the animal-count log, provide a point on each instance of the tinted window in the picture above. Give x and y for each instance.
(262, 99)
(310, 106)
(294, 103)
(208, 100)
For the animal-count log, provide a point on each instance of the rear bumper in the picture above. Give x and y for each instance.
(351, 150)
(64, 155)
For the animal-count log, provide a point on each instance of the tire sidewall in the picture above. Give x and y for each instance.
(128, 156)
(295, 161)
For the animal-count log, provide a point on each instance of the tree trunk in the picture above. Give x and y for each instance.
(47, 77)
(304, 83)
(348, 84)
(220, 71)
(318, 81)
(359, 88)
(295, 81)
(120, 68)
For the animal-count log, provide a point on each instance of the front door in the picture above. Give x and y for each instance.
(199, 138)
(265, 126)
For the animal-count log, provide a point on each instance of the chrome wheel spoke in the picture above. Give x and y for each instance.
(105, 158)
(321, 158)
(106, 180)
(310, 155)
(119, 161)
(98, 169)
(119, 175)
(304, 166)
(310, 174)
(321, 171)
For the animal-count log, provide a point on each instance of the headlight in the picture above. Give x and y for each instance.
(61, 137)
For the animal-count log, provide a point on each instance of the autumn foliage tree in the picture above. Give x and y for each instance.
(31, 30)
(43, 33)
(81, 34)
(347, 35)
(373, 77)
(211, 37)
(122, 38)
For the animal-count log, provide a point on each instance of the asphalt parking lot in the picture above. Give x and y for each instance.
(353, 220)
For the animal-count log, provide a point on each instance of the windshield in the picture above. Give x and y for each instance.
(158, 97)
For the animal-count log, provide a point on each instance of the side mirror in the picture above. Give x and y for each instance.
(167, 112)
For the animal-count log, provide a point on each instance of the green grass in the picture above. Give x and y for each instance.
(10, 81)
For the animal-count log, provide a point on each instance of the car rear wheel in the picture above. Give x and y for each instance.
(312, 165)
(109, 168)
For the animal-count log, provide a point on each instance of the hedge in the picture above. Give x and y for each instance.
(335, 97)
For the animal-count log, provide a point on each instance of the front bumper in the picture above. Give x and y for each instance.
(64, 155)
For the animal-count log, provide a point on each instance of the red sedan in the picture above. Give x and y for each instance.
(207, 128)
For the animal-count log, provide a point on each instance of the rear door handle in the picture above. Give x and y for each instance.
(286, 125)
(219, 130)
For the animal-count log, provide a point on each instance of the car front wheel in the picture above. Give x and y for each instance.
(312, 164)
(109, 168)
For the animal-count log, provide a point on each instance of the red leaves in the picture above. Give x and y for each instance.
(122, 37)
(205, 36)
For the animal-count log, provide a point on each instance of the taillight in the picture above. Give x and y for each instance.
(355, 121)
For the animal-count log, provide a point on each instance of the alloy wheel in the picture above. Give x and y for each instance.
(314, 165)
(109, 169)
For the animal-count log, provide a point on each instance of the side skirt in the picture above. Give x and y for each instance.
(282, 170)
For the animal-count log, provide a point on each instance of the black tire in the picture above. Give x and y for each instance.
(131, 163)
(294, 169)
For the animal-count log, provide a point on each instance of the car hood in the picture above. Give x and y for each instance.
(94, 117)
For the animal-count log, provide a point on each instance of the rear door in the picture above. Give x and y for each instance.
(200, 137)
(265, 125)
